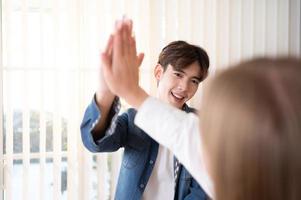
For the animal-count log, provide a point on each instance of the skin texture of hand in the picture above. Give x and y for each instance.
(121, 68)
(103, 87)
(104, 97)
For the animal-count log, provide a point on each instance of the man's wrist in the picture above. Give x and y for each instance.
(104, 97)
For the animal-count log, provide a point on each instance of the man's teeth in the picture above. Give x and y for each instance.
(177, 96)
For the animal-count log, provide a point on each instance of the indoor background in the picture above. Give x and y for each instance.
(50, 61)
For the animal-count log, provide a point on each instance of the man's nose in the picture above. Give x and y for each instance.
(183, 85)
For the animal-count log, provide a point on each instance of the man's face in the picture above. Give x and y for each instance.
(177, 86)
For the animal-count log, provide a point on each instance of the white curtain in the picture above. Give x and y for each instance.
(49, 67)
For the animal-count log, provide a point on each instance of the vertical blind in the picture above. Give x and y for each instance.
(50, 62)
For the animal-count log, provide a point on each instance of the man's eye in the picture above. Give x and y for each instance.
(178, 74)
(195, 82)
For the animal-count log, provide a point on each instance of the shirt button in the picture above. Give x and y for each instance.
(151, 162)
(142, 185)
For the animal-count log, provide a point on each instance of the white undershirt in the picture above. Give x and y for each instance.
(181, 136)
(161, 182)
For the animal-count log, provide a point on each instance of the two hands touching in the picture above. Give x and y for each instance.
(120, 67)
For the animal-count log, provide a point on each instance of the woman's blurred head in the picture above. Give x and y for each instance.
(251, 125)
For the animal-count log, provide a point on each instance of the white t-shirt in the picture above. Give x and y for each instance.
(161, 182)
(181, 136)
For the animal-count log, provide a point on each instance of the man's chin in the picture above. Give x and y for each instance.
(176, 104)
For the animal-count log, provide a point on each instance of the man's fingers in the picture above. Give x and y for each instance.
(140, 58)
(107, 71)
(117, 41)
(110, 53)
(133, 39)
(126, 34)
(106, 62)
(109, 47)
(116, 26)
(133, 51)
(130, 24)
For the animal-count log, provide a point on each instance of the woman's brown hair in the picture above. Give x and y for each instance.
(251, 126)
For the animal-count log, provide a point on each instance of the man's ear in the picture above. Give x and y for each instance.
(158, 71)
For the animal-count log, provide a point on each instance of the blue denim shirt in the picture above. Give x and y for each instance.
(140, 153)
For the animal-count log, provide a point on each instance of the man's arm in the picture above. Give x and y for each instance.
(104, 98)
(121, 69)
(104, 102)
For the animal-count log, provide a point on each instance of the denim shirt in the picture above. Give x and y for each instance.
(140, 153)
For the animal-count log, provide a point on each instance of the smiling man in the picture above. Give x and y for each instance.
(180, 69)
(149, 170)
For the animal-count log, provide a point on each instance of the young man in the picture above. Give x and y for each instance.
(149, 170)
(263, 95)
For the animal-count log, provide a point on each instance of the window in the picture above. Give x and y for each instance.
(47, 83)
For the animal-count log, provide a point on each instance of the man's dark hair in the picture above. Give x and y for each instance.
(181, 54)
